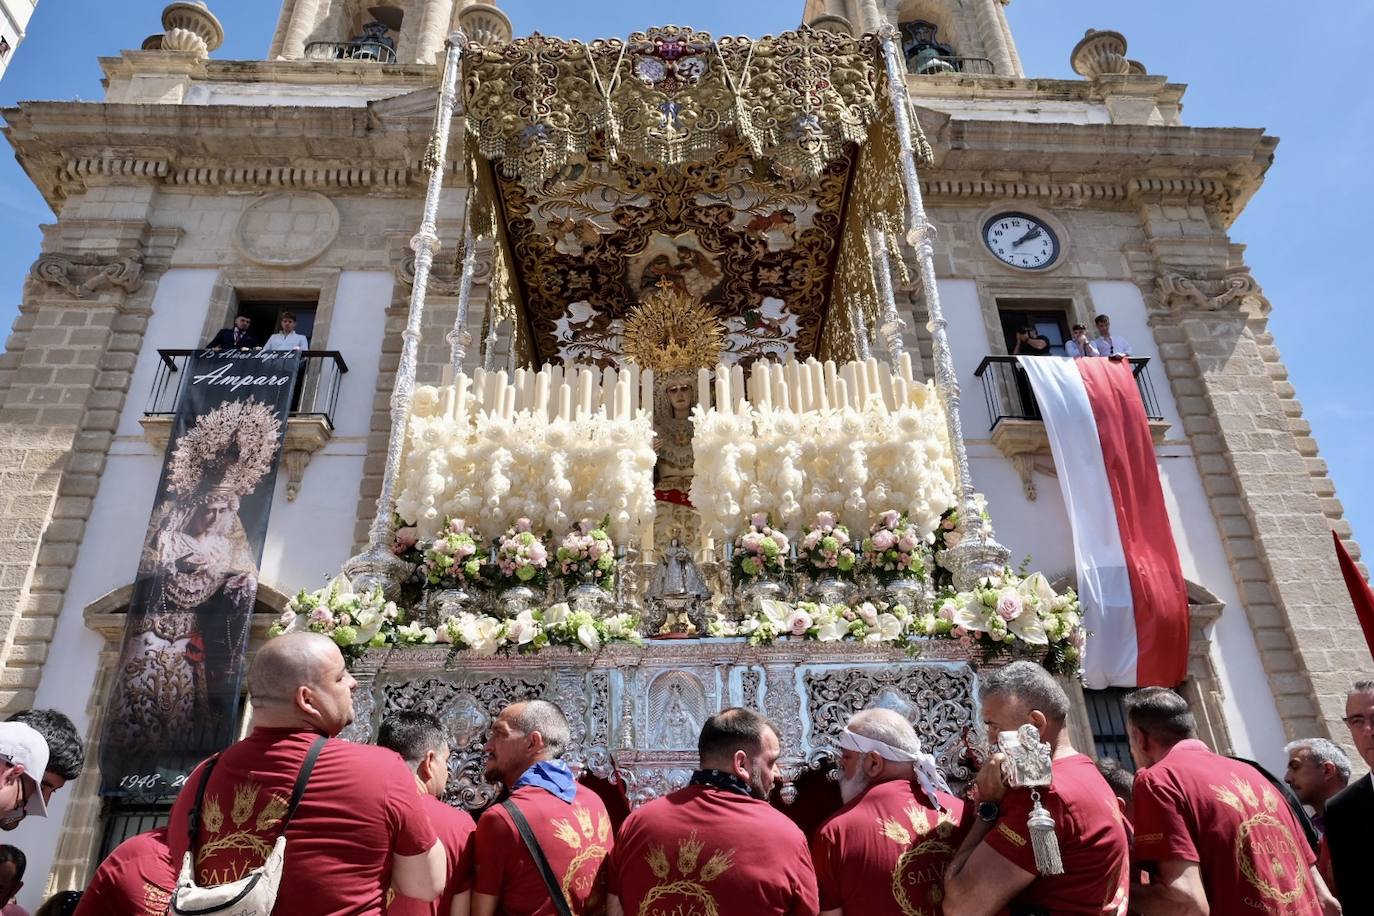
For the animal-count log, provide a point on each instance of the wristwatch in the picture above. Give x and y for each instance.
(989, 811)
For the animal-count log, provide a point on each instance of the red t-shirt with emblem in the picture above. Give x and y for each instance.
(886, 851)
(361, 806)
(1198, 806)
(576, 838)
(134, 880)
(455, 827)
(701, 846)
(1092, 842)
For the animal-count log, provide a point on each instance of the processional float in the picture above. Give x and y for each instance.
(675, 219)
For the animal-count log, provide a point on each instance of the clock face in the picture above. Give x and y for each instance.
(1021, 241)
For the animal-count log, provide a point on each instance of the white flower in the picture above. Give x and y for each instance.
(556, 613)
(799, 622)
(833, 630)
(587, 635)
(776, 612)
(888, 629)
(868, 613)
(523, 628)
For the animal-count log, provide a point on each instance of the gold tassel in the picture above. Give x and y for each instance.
(1044, 842)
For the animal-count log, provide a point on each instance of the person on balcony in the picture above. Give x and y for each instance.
(286, 337)
(239, 337)
(1079, 344)
(1107, 344)
(1030, 343)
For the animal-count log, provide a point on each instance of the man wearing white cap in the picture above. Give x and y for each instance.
(23, 758)
(898, 817)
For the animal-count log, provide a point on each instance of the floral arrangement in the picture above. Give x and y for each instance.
(866, 622)
(521, 557)
(454, 558)
(894, 548)
(587, 553)
(760, 550)
(826, 548)
(532, 630)
(354, 621)
(1004, 610)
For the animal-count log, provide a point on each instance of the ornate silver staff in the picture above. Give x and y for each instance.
(977, 554)
(377, 565)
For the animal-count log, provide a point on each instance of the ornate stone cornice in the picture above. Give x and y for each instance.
(1231, 289)
(83, 275)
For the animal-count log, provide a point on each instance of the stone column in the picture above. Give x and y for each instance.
(1001, 7)
(304, 16)
(995, 41)
(426, 42)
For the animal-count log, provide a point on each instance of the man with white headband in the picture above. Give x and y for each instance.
(899, 816)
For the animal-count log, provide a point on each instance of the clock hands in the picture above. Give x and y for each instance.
(1027, 237)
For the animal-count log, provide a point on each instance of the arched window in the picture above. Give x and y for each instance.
(923, 50)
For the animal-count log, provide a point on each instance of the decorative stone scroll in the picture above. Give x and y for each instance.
(670, 94)
(1232, 288)
(82, 275)
(632, 709)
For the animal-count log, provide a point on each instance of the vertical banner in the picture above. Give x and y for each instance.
(175, 696)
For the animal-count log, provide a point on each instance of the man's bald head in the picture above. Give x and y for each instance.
(887, 726)
(287, 663)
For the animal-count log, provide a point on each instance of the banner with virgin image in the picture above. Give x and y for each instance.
(175, 696)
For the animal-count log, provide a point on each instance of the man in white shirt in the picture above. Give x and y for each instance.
(287, 338)
(1079, 344)
(1106, 344)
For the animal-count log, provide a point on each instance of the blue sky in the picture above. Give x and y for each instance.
(1257, 64)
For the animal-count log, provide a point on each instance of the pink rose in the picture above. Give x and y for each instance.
(869, 613)
(538, 555)
(825, 520)
(959, 632)
(946, 611)
(890, 518)
(907, 543)
(799, 623)
(1009, 605)
(523, 524)
(883, 540)
(759, 520)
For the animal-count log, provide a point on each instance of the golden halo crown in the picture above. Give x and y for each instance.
(670, 331)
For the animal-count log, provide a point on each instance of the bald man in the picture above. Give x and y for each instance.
(899, 815)
(361, 826)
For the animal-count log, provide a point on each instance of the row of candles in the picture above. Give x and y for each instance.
(580, 392)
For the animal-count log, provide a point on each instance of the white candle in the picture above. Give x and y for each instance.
(584, 393)
(841, 394)
(807, 393)
(788, 386)
(819, 387)
(723, 390)
(646, 387)
(831, 377)
(622, 399)
(460, 402)
(704, 389)
(541, 394)
(630, 376)
(609, 379)
(736, 386)
(904, 366)
(565, 402)
(508, 401)
(885, 385)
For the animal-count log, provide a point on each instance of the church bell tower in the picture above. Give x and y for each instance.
(385, 31)
(938, 36)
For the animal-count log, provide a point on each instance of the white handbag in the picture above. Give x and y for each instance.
(255, 894)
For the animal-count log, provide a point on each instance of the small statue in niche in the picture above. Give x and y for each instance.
(679, 588)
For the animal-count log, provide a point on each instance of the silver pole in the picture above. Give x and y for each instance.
(377, 565)
(975, 556)
(458, 338)
(892, 324)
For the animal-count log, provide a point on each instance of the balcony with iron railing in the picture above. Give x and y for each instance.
(1015, 424)
(373, 51)
(930, 65)
(309, 425)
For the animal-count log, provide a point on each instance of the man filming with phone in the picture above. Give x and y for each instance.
(1049, 837)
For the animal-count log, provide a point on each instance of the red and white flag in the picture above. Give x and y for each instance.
(1130, 583)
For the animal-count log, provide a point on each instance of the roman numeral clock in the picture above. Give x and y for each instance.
(1021, 241)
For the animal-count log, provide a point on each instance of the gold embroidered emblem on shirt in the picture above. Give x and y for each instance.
(1262, 834)
(245, 838)
(588, 838)
(928, 845)
(689, 883)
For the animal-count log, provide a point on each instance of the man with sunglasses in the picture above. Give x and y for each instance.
(1348, 816)
(23, 753)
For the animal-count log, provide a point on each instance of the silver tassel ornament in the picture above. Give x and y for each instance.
(1044, 842)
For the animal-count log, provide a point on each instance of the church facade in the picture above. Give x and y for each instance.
(200, 189)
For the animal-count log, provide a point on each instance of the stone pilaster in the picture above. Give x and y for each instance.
(1255, 458)
(63, 383)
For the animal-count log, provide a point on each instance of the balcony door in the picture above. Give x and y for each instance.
(1049, 317)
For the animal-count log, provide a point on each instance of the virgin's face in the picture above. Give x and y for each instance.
(680, 399)
(212, 516)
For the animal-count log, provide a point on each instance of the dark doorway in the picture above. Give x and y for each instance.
(1049, 317)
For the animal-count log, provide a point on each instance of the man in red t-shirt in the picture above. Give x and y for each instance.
(422, 743)
(361, 826)
(885, 852)
(1219, 837)
(716, 845)
(134, 880)
(996, 866)
(568, 820)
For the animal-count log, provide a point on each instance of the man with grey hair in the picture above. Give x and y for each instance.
(885, 852)
(360, 826)
(997, 865)
(1349, 839)
(1317, 771)
(546, 809)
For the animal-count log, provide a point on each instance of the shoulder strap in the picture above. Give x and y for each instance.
(560, 903)
(193, 819)
(301, 779)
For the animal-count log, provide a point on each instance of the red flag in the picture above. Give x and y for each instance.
(1360, 593)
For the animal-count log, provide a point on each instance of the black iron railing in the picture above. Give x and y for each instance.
(374, 51)
(929, 64)
(317, 387)
(1007, 390)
